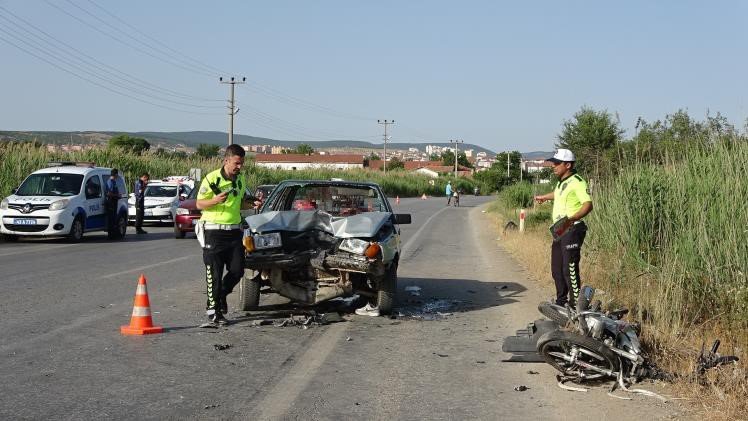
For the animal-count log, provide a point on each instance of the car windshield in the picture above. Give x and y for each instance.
(335, 200)
(51, 184)
(161, 191)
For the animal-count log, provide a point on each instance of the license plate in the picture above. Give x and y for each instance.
(24, 221)
(194, 222)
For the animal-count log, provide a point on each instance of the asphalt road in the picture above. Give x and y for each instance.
(62, 356)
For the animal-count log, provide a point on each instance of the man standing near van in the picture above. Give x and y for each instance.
(140, 186)
(220, 198)
(112, 198)
(571, 203)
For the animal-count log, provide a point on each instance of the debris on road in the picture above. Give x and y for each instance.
(414, 291)
(441, 355)
(434, 309)
(532, 372)
(520, 388)
(480, 362)
(211, 406)
(348, 339)
(303, 321)
(221, 347)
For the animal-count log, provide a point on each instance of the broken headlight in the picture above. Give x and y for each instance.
(354, 245)
(267, 241)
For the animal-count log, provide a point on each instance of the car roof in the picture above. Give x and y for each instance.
(72, 169)
(329, 183)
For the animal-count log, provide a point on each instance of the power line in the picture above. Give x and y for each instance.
(97, 83)
(107, 34)
(198, 62)
(93, 62)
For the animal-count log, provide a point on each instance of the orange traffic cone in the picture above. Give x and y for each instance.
(141, 322)
(423, 197)
(397, 200)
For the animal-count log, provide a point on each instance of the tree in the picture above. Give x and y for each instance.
(131, 144)
(515, 160)
(437, 157)
(395, 164)
(373, 157)
(207, 150)
(448, 159)
(590, 135)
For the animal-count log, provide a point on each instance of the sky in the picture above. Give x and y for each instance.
(502, 75)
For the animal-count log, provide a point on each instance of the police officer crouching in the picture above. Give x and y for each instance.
(220, 199)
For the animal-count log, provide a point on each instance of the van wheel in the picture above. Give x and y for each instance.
(179, 233)
(76, 231)
(120, 229)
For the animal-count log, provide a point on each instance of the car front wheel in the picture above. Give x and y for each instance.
(387, 290)
(249, 291)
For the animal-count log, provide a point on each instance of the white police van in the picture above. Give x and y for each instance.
(64, 199)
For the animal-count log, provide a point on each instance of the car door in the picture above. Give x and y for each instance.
(93, 205)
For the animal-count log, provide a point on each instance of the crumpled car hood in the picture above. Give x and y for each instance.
(361, 225)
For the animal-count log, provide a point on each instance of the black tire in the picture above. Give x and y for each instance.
(120, 229)
(76, 231)
(387, 290)
(10, 237)
(553, 346)
(249, 292)
(179, 234)
(554, 312)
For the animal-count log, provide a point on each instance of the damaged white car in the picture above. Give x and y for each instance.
(318, 240)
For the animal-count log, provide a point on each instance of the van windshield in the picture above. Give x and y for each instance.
(161, 191)
(51, 184)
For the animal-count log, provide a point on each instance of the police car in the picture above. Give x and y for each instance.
(162, 199)
(64, 199)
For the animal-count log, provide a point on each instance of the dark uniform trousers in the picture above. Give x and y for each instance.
(139, 213)
(565, 254)
(222, 248)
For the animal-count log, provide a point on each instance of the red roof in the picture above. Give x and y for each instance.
(318, 159)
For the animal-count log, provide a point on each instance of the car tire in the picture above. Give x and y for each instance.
(76, 230)
(387, 290)
(120, 229)
(179, 234)
(249, 293)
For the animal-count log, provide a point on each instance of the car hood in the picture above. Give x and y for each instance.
(21, 200)
(150, 201)
(362, 225)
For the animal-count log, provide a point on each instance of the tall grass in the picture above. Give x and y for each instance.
(19, 160)
(684, 225)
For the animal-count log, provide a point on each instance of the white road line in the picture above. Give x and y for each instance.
(142, 268)
(284, 394)
(34, 249)
(417, 233)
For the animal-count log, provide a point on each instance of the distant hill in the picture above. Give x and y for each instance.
(537, 155)
(192, 139)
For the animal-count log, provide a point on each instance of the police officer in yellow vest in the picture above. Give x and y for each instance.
(220, 199)
(571, 203)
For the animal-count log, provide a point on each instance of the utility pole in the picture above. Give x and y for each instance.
(456, 142)
(232, 109)
(384, 158)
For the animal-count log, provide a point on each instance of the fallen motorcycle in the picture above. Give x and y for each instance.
(596, 345)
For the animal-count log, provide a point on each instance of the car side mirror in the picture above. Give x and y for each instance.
(402, 218)
(14, 190)
(182, 196)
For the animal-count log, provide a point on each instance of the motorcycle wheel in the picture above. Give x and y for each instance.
(593, 359)
(554, 312)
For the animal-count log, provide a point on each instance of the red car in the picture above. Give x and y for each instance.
(186, 216)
